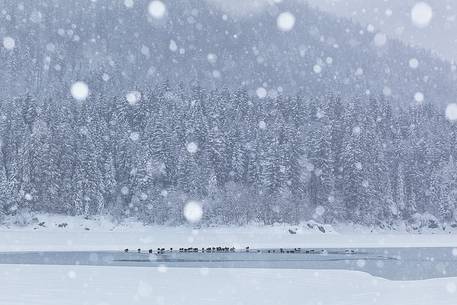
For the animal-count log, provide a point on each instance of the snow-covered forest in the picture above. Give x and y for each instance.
(283, 159)
(283, 114)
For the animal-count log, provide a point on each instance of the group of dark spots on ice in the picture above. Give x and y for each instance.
(190, 250)
(230, 250)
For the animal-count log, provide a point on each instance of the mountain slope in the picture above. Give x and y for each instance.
(114, 47)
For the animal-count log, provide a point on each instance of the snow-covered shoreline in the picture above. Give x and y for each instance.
(63, 233)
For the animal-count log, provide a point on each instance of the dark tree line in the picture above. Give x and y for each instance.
(284, 159)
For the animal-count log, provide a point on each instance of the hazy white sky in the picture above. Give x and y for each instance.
(392, 17)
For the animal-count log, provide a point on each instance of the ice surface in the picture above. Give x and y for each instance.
(400, 264)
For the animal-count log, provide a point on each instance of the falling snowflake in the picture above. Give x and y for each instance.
(129, 3)
(84, 130)
(358, 165)
(157, 9)
(262, 125)
(286, 21)
(320, 210)
(413, 63)
(261, 92)
(145, 51)
(50, 47)
(36, 17)
(173, 46)
(421, 14)
(133, 97)
(9, 43)
(193, 211)
(124, 190)
(134, 136)
(380, 39)
(419, 97)
(80, 91)
(216, 74)
(317, 69)
(212, 58)
(387, 91)
(451, 112)
(192, 147)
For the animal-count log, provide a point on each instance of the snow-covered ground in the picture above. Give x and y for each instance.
(80, 285)
(68, 285)
(81, 234)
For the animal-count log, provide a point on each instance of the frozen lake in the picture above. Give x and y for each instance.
(388, 263)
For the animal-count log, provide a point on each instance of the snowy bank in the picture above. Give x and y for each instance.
(63, 233)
